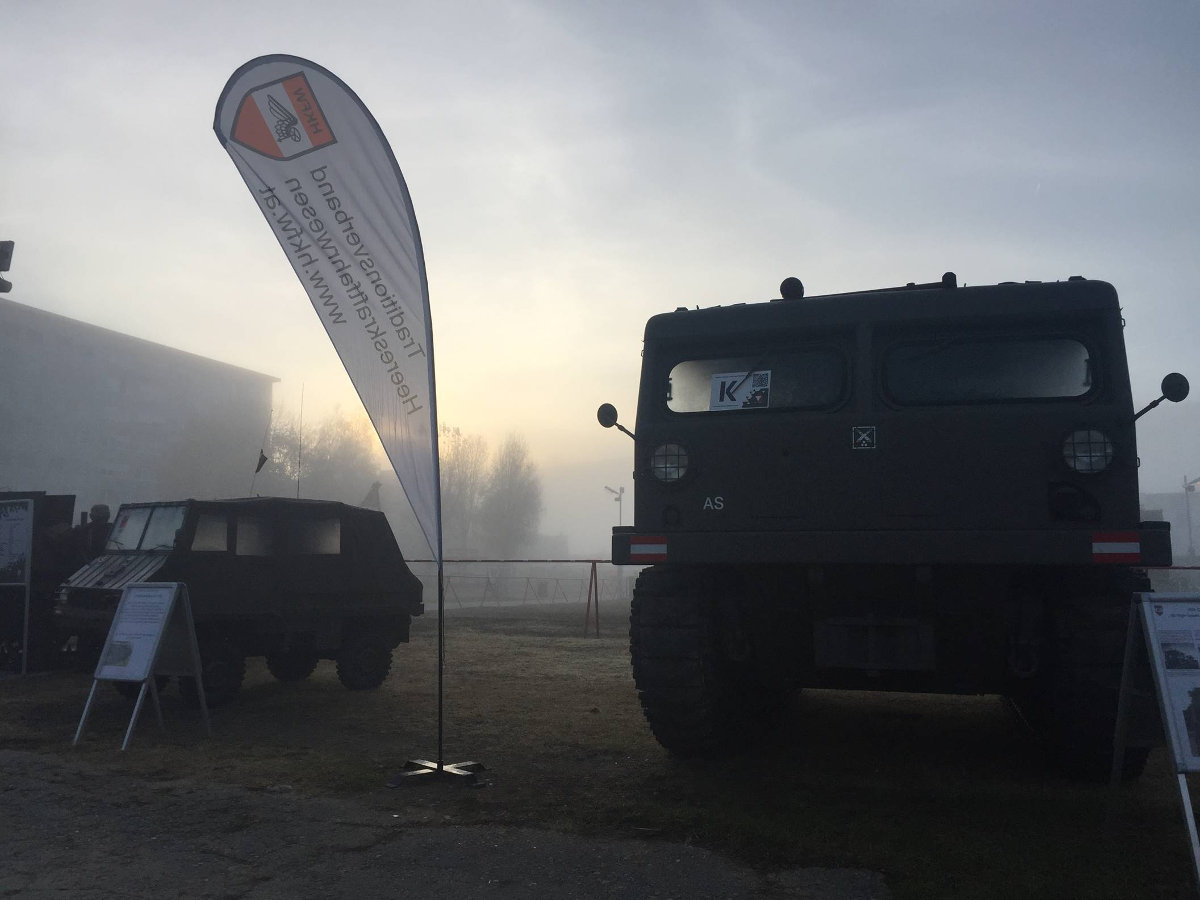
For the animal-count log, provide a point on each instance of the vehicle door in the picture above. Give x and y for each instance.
(203, 561)
(312, 578)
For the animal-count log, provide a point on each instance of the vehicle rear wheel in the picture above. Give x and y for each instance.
(697, 701)
(293, 664)
(223, 668)
(363, 662)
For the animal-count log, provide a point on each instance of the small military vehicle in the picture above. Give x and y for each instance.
(928, 488)
(295, 581)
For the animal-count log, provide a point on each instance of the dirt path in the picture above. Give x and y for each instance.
(72, 833)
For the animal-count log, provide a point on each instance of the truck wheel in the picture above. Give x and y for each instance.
(223, 668)
(292, 665)
(88, 648)
(130, 689)
(363, 662)
(696, 700)
(1077, 711)
(1078, 735)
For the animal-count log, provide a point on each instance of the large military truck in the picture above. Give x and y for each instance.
(295, 581)
(926, 488)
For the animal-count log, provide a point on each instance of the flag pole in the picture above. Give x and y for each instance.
(300, 440)
(441, 652)
(439, 769)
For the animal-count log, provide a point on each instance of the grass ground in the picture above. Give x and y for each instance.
(944, 795)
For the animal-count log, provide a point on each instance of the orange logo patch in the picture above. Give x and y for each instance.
(282, 120)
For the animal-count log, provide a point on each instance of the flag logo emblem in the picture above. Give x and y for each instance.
(643, 549)
(282, 120)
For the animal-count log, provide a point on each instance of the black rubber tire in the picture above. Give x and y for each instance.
(292, 665)
(697, 702)
(363, 662)
(130, 689)
(223, 667)
(88, 648)
(1076, 712)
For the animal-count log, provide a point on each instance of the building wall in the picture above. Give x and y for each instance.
(113, 418)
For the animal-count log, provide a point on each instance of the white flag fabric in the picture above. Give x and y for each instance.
(328, 184)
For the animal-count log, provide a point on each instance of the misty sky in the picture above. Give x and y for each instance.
(578, 167)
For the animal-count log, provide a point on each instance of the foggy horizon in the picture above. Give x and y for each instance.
(577, 170)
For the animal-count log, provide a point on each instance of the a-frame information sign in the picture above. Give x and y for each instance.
(152, 634)
(16, 559)
(1171, 626)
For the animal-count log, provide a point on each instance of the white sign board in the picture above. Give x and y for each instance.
(16, 541)
(137, 629)
(152, 634)
(16, 559)
(1172, 628)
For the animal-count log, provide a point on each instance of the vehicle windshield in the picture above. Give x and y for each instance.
(811, 378)
(146, 528)
(987, 370)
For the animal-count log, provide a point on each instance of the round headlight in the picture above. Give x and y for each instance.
(669, 462)
(1088, 451)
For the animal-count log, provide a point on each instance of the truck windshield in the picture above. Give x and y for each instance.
(973, 370)
(146, 528)
(813, 378)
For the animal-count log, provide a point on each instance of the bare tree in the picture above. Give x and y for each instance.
(339, 459)
(511, 505)
(463, 462)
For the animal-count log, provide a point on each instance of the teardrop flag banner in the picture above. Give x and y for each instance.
(328, 184)
(325, 178)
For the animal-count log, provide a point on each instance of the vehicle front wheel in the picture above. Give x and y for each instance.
(363, 662)
(223, 668)
(697, 700)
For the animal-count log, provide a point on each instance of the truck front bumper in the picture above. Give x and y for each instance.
(1145, 545)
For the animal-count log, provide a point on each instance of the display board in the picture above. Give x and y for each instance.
(1170, 626)
(138, 628)
(1171, 623)
(16, 541)
(16, 559)
(152, 634)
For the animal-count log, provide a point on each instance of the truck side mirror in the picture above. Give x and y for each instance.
(606, 415)
(1174, 388)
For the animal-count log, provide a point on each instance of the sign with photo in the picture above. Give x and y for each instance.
(152, 634)
(16, 540)
(1172, 627)
(136, 631)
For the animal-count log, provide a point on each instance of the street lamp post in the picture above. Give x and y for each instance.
(620, 495)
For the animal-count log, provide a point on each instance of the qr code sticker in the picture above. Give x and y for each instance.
(761, 380)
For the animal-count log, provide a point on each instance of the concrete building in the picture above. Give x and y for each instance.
(112, 418)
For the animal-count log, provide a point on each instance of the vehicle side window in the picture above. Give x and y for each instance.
(984, 370)
(314, 536)
(212, 533)
(253, 536)
(812, 378)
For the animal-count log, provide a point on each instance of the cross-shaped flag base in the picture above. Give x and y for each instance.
(447, 771)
